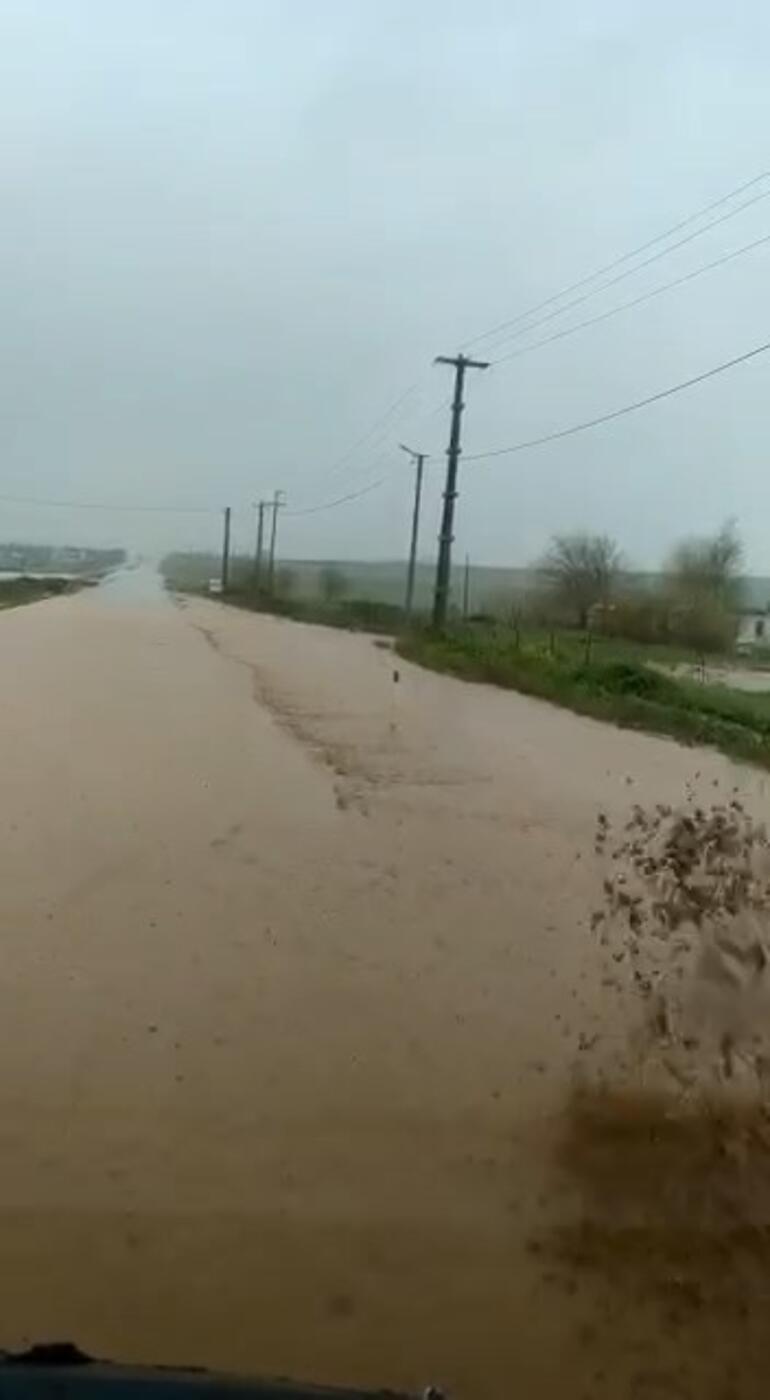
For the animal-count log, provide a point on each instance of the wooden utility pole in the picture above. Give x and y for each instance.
(261, 507)
(275, 506)
(226, 552)
(419, 458)
(467, 586)
(444, 566)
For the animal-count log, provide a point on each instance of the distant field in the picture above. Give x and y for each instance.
(492, 589)
(381, 581)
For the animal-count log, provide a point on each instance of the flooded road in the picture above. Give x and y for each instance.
(296, 969)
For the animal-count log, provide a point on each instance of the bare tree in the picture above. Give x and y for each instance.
(705, 589)
(581, 571)
(708, 571)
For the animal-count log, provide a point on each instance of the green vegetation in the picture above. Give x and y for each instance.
(15, 591)
(581, 572)
(597, 678)
(706, 589)
(356, 614)
(694, 603)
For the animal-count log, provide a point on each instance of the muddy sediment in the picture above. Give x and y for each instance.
(664, 1146)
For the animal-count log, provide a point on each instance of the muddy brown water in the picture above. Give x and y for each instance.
(296, 971)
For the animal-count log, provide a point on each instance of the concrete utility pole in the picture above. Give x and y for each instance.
(419, 458)
(443, 568)
(261, 507)
(226, 552)
(275, 506)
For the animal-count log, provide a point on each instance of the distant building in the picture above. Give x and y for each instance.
(753, 628)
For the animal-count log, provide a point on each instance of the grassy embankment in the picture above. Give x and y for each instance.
(606, 679)
(355, 614)
(16, 591)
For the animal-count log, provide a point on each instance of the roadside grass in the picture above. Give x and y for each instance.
(572, 645)
(354, 614)
(14, 592)
(602, 682)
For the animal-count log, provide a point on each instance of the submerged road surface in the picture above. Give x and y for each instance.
(295, 965)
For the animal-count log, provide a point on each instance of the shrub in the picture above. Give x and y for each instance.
(638, 620)
(582, 571)
(628, 678)
(704, 626)
(372, 615)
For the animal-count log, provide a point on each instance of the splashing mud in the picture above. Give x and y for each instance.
(684, 924)
(665, 1146)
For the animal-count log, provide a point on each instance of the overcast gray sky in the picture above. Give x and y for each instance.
(234, 232)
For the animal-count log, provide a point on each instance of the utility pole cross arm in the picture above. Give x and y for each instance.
(461, 359)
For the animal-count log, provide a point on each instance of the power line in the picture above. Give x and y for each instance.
(341, 500)
(105, 505)
(381, 481)
(173, 510)
(714, 204)
(619, 412)
(624, 257)
(345, 457)
(385, 431)
(636, 301)
(630, 271)
(339, 463)
(384, 449)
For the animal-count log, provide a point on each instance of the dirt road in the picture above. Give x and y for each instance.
(295, 965)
